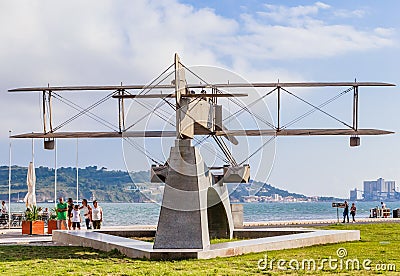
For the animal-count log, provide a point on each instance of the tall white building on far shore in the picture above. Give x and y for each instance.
(379, 189)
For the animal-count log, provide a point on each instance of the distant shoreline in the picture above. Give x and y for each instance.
(233, 202)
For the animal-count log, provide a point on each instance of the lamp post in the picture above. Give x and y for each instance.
(9, 183)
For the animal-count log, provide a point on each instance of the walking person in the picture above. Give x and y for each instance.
(62, 208)
(76, 218)
(346, 212)
(87, 212)
(4, 209)
(97, 215)
(353, 210)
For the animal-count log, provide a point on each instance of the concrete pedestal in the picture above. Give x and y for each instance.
(193, 207)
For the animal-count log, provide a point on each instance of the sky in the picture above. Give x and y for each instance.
(131, 42)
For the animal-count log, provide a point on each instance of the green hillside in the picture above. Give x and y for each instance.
(104, 185)
(111, 186)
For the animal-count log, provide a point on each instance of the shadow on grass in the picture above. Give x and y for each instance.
(13, 253)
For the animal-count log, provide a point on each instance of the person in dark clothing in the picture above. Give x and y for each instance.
(346, 212)
(4, 213)
(70, 208)
(353, 210)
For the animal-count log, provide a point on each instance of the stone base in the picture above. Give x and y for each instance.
(260, 240)
(194, 208)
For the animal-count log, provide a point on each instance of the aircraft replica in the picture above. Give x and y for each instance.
(195, 205)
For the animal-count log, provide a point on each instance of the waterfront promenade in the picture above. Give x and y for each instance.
(14, 236)
(317, 222)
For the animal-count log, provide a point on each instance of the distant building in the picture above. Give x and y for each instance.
(379, 190)
(355, 195)
(276, 197)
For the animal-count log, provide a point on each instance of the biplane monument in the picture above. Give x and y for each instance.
(195, 205)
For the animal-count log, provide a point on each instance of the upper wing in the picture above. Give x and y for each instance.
(216, 85)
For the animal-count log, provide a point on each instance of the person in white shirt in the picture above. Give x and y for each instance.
(97, 215)
(4, 209)
(87, 211)
(76, 218)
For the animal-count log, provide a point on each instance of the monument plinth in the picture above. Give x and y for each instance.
(194, 208)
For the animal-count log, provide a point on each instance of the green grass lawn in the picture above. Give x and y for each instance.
(380, 243)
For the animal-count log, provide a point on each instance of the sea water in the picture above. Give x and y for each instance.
(115, 214)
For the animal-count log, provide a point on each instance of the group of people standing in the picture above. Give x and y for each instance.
(69, 214)
(353, 210)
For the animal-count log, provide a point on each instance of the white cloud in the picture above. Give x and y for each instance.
(385, 32)
(322, 5)
(296, 15)
(358, 13)
(84, 42)
(300, 32)
(95, 37)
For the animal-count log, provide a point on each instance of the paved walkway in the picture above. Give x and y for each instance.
(14, 236)
(319, 222)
